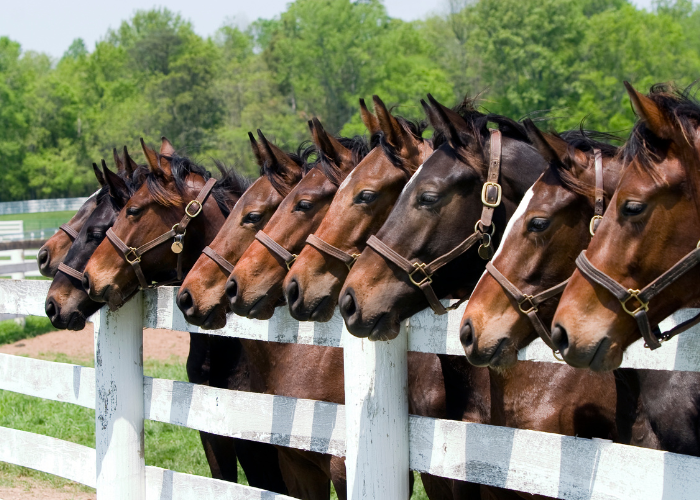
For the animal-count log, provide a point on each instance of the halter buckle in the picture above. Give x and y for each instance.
(354, 256)
(292, 261)
(187, 209)
(531, 308)
(592, 224)
(420, 266)
(634, 294)
(137, 257)
(485, 193)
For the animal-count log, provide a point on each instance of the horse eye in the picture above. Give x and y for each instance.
(538, 224)
(428, 198)
(631, 208)
(133, 211)
(303, 206)
(252, 218)
(95, 235)
(366, 197)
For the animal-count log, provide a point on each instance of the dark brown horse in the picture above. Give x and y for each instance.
(54, 251)
(652, 223)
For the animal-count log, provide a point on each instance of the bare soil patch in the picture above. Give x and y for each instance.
(30, 491)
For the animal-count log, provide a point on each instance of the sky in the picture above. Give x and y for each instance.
(50, 26)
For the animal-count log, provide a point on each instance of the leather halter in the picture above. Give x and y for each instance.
(421, 273)
(216, 257)
(528, 304)
(345, 257)
(72, 233)
(276, 249)
(74, 273)
(133, 255)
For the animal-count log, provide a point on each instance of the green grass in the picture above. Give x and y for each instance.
(33, 326)
(41, 220)
(168, 446)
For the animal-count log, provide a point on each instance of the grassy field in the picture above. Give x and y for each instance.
(10, 331)
(42, 220)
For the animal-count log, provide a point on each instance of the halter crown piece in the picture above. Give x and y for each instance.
(177, 233)
(421, 273)
(528, 304)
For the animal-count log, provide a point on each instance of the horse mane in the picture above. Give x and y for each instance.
(226, 191)
(415, 128)
(643, 145)
(359, 148)
(302, 157)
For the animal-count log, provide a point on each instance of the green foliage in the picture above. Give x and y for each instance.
(10, 331)
(155, 76)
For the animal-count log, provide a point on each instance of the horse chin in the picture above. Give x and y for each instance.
(263, 308)
(215, 320)
(386, 328)
(607, 357)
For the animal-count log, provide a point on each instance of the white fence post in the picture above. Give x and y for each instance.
(17, 257)
(376, 413)
(119, 411)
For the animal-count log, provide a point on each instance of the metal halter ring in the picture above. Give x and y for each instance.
(137, 258)
(420, 267)
(484, 193)
(289, 264)
(554, 353)
(591, 225)
(187, 209)
(354, 256)
(634, 294)
(492, 226)
(527, 298)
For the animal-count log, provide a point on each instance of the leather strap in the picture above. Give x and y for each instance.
(599, 204)
(276, 249)
(74, 273)
(528, 304)
(491, 192)
(133, 255)
(344, 257)
(216, 257)
(72, 233)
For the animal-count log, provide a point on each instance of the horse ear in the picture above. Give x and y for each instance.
(98, 174)
(388, 124)
(280, 162)
(129, 164)
(552, 148)
(451, 124)
(433, 118)
(368, 118)
(166, 148)
(151, 157)
(329, 145)
(117, 187)
(118, 161)
(256, 150)
(647, 110)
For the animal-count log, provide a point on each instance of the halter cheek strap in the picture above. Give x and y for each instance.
(133, 255)
(599, 204)
(72, 233)
(276, 249)
(420, 273)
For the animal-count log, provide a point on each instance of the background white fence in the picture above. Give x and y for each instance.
(373, 430)
(35, 206)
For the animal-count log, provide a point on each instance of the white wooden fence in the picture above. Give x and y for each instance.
(17, 267)
(35, 206)
(373, 431)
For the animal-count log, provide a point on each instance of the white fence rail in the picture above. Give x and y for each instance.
(35, 206)
(17, 267)
(373, 430)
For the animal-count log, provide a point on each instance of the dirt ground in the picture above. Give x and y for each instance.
(157, 344)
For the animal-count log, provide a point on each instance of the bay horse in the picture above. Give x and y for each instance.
(54, 251)
(214, 361)
(437, 213)
(622, 285)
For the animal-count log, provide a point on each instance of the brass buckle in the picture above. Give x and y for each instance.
(527, 298)
(420, 266)
(591, 225)
(484, 192)
(634, 294)
(187, 209)
(289, 264)
(137, 258)
(354, 256)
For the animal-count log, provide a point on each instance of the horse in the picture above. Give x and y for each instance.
(214, 361)
(54, 251)
(645, 244)
(202, 297)
(436, 219)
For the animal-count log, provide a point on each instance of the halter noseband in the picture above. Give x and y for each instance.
(72, 233)
(528, 304)
(133, 255)
(276, 249)
(346, 258)
(421, 273)
(216, 257)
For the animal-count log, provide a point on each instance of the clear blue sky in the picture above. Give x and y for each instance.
(51, 25)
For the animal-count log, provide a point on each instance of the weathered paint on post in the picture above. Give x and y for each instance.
(119, 412)
(376, 412)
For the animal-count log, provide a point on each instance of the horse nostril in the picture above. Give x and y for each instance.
(292, 292)
(231, 289)
(347, 305)
(43, 258)
(185, 301)
(466, 334)
(560, 339)
(51, 309)
(86, 282)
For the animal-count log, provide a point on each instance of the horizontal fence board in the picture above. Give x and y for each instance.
(48, 380)
(18, 267)
(36, 206)
(297, 423)
(549, 464)
(163, 484)
(43, 453)
(25, 297)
